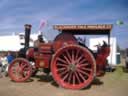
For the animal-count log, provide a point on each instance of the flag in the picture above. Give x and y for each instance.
(42, 24)
(119, 22)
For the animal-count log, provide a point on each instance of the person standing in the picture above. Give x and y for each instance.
(4, 62)
(10, 58)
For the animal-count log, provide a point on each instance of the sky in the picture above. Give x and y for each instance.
(14, 14)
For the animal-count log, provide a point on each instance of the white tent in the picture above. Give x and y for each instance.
(13, 42)
(9, 43)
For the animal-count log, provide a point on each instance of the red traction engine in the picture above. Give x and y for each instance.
(72, 64)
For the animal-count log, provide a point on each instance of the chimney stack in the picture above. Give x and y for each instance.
(27, 34)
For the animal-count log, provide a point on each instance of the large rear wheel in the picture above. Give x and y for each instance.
(73, 67)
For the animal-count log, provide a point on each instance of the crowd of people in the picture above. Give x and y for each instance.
(5, 60)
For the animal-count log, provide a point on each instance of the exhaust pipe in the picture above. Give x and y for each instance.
(27, 35)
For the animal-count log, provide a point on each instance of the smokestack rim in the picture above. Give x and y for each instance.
(27, 26)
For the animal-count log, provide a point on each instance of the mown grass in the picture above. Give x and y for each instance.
(118, 76)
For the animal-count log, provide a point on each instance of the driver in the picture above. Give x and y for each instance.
(38, 41)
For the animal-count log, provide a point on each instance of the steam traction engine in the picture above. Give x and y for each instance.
(72, 64)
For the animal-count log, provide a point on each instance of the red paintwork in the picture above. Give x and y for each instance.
(42, 55)
(20, 70)
(30, 53)
(45, 54)
(45, 50)
(101, 60)
(72, 65)
(63, 39)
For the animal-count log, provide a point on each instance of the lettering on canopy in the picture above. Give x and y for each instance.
(82, 27)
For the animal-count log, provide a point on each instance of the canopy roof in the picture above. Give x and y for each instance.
(99, 29)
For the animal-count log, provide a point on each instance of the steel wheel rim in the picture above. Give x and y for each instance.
(73, 71)
(20, 70)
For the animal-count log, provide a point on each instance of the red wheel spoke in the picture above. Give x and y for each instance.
(59, 59)
(74, 79)
(83, 72)
(27, 68)
(82, 77)
(65, 71)
(67, 59)
(83, 65)
(17, 69)
(77, 77)
(25, 72)
(86, 69)
(61, 69)
(73, 57)
(68, 55)
(82, 61)
(77, 54)
(22, 65)
(78, 60)
(63, 65)
(65, 77)
(70, 77)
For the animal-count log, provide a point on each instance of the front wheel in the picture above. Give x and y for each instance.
(20, 70)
